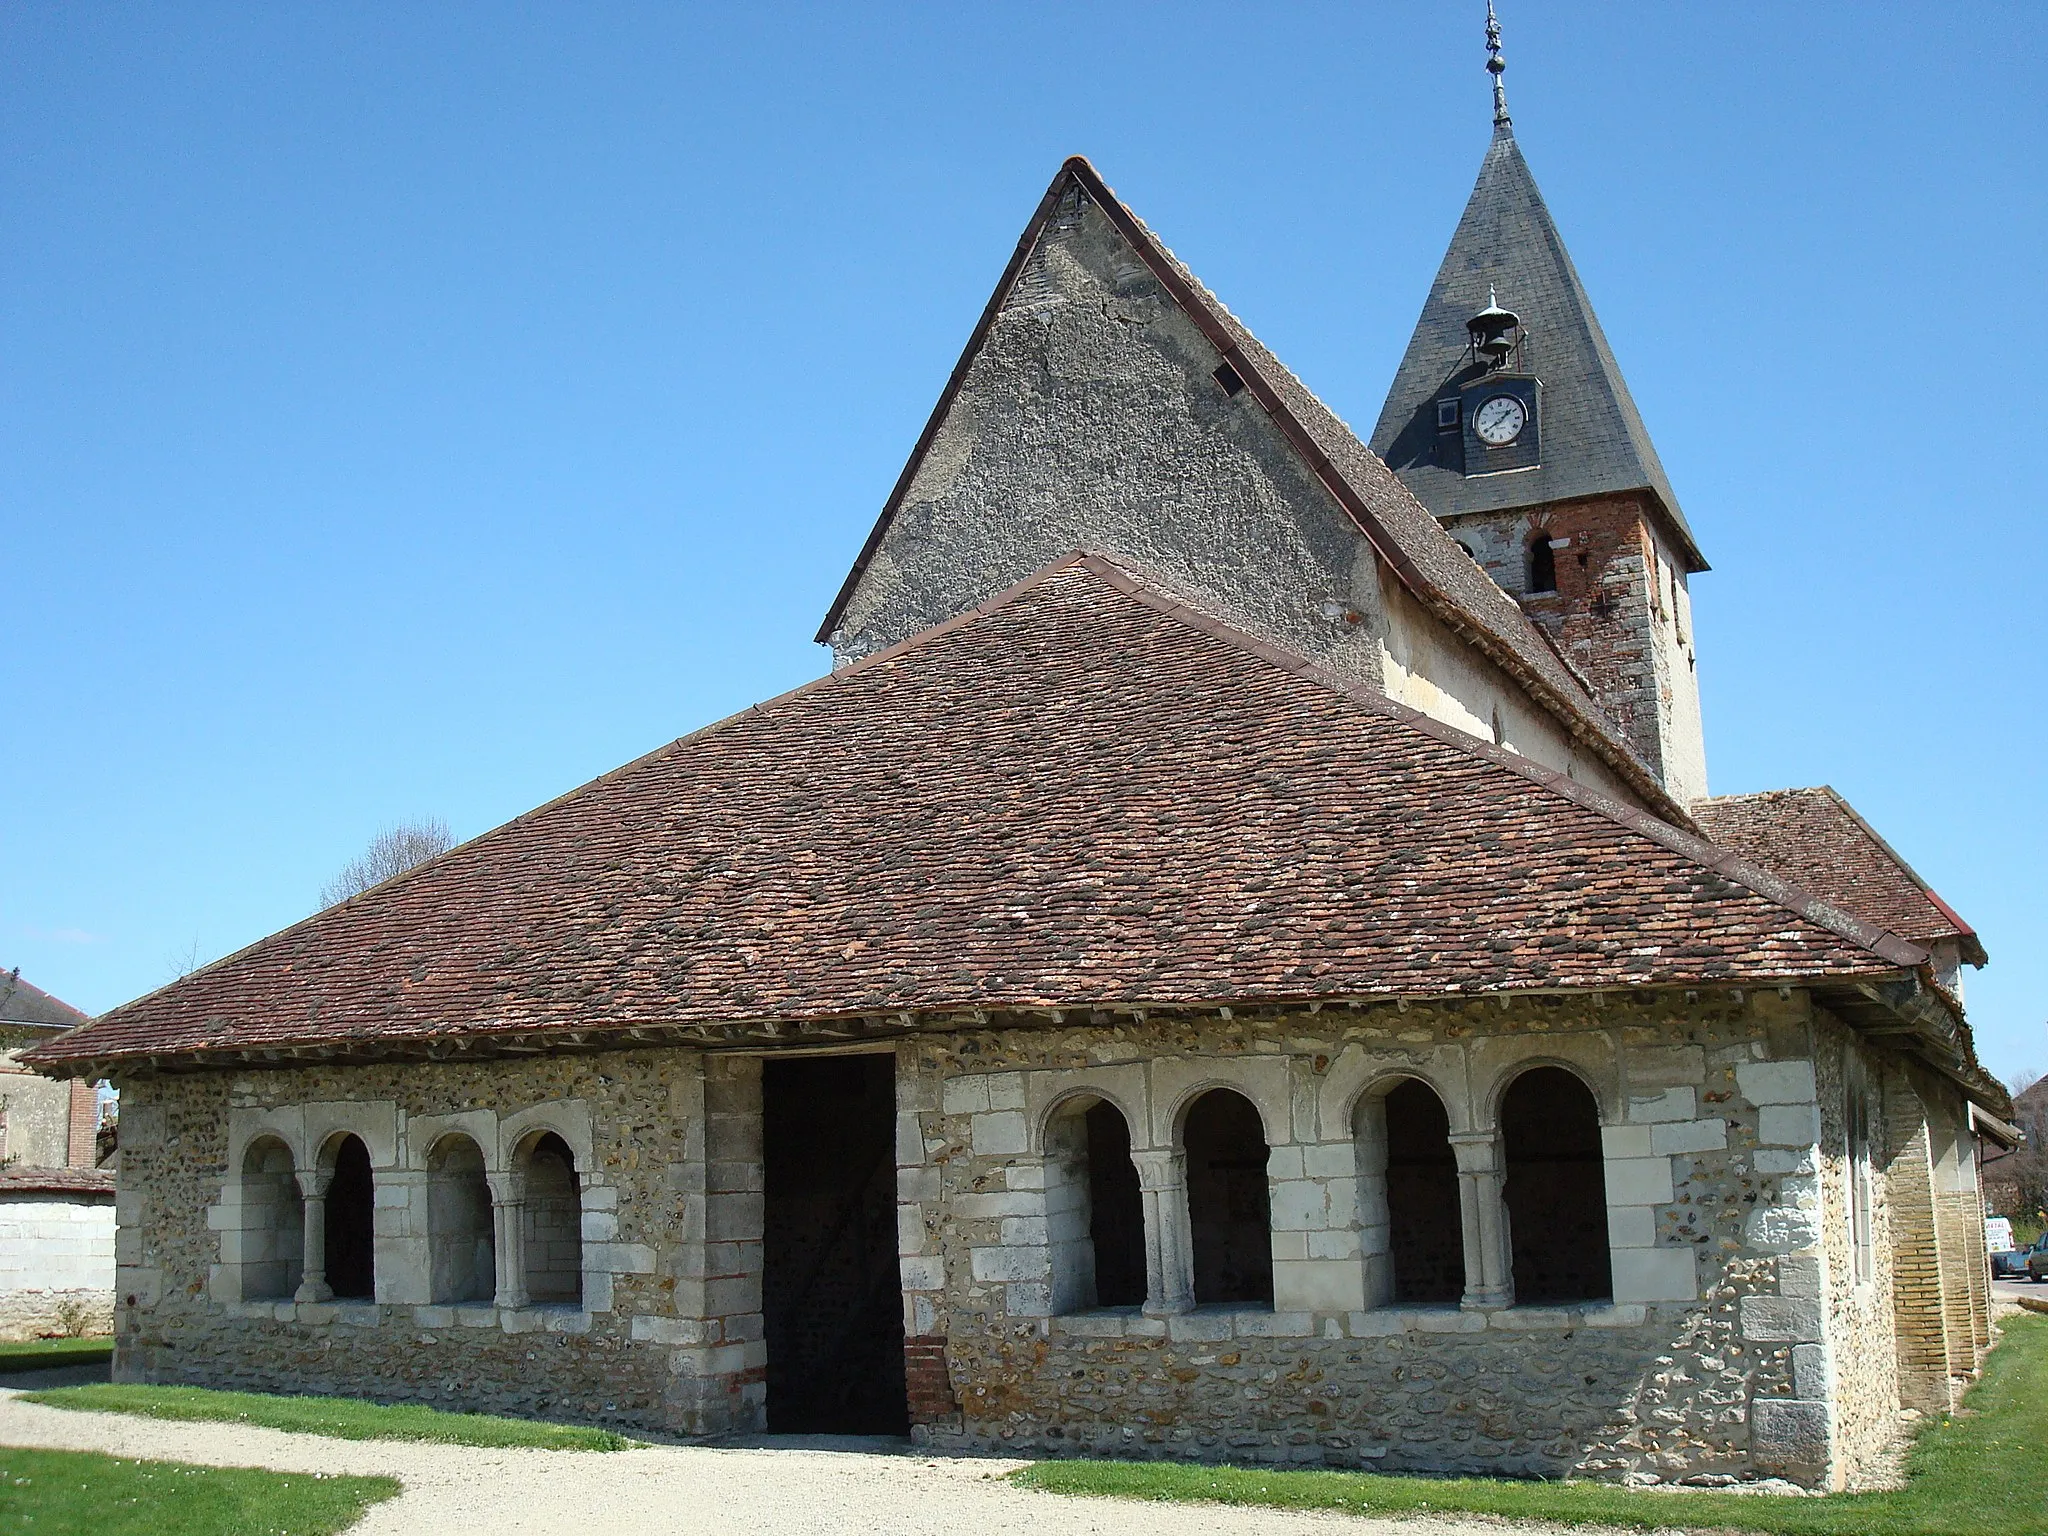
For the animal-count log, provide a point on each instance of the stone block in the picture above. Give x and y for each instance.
(998, 1203)
(1030, 1299)
(1810, 1371)
(1788, 1125)
(1655, 1274)
(1005, 1090)
(600, 1226)
(1446, 1320)
(964, 1095)
(521, 1320)
(739, 1293)
(909, 1141)
(1299, 1204)
(918, 1184)
(1025, 1231)
(1338, 1243)
(1319, 1285)
(1284, 1163)
(1631, 1226)
(668, 1330)
(1784, 1160)
(1011, 1263)
(476, 1317)
(1638, 1180)
(909, 1229)
(569, 1319)
(1689, 1136)
(1625, 1140)
(1330, 1160)
(600, 1197)
(1025, 1176)
(1776, 1082)
(1671, 1104)
(1377, 1324)
(1091, 1325)
(1000, 1133)
(1799, 1275)
(1781, 1228)
(433, 1317)
(1530, 1319)
(1666, 1066)
(1275, 1325)
(1201, 1327)
(923, 1274)
(734, 1218)
(1622, 1314)
(1790, 1435)
(1780, 1319)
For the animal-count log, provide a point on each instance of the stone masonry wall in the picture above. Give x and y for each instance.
(1709, 1363)
(642, 1349)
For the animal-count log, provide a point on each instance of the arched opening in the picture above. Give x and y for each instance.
(1542, 564)
(1556, 1189)
(351, 1223)
(461, 1243)
(273, 1233)
(553, 1232)
(1095, 1219)
(1229, 1205)
(1426, 1237)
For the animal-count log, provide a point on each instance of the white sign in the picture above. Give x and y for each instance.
(1997, 1233)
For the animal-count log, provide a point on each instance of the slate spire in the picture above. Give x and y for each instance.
(1593, 438)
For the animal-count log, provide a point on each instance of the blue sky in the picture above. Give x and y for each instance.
(420, 410)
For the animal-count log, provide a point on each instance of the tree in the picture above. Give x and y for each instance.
(391, 852)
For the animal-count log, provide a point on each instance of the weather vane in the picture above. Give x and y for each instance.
(1496, 66)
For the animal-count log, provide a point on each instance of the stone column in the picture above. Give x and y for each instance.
(313, 1185)
(1489, 1268)
(1169, 1251)
(508, 1219)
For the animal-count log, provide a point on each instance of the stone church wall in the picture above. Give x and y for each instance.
(1738, 1339)
(1701, 1366)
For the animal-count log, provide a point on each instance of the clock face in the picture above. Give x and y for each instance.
(1500, 420)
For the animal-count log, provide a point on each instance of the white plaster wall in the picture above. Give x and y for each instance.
(51, 1242)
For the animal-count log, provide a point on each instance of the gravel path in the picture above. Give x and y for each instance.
(672, 1490)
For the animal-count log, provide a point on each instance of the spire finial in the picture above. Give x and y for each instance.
(1496, 66)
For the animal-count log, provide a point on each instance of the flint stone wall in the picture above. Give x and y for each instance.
(1710, 1131)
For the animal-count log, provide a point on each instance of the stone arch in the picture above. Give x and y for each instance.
(1272, 1117)
(462, 1247)
(350, 1249)
(1602, 1086)
(550, 1217)
(1411, 1227)
(1556, 1186)
(1061, 1103)
(1223, 1139)
(272, 1233)
(1095, 1221)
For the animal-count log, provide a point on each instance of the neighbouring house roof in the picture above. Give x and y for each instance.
(1814, 838)
(1080, 794)
(56, 1181)
(23, 1003)
(1507, 247)
(1425, 559)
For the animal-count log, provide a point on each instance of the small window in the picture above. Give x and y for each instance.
(1542, 564)
(1227, 376)
(1447, 415)
(1860, 1245)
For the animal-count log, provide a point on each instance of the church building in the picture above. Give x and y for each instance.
(1237, 961)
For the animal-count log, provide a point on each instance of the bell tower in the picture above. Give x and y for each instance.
(1510, 421)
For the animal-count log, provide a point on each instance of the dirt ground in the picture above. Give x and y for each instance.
(793, 1488)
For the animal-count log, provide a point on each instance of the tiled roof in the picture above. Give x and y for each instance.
(1079, 794)
(21, 1003)
(56, 1181)
(1415, 547)
(1594, 441)
(1815, 839)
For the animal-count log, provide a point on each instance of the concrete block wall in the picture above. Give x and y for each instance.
(56, 1264)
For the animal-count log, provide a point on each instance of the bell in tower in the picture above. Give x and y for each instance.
(1497, 396)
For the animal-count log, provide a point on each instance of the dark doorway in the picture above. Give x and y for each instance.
(831, 1295)
(1229, 1209)
(1556, 1189)
(351, 1226)
(1116, 1211)
(1426, 1230)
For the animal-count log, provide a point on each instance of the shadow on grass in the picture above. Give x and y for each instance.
(1983, 1471)
(49, 1354)
(338, 1418)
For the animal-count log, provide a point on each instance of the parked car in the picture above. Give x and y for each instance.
(2021, 1263)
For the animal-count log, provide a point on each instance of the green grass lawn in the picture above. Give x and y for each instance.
(43, 1354)
(340, 1418)
(57, 1493)
(1981, 1472)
